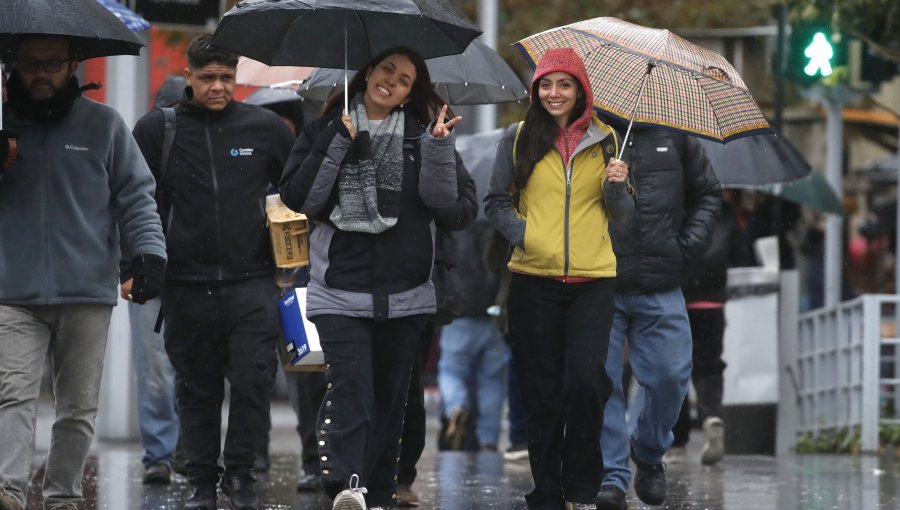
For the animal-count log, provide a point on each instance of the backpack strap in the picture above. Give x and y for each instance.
(169, 125)
(516, 139)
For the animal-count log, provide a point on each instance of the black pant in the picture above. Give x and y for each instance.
(306, 390)
(368, 365)
(413, 435)
(213, 333)
(560, 337)
(707, 330)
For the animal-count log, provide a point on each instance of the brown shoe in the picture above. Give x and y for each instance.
(456, 429)
(406, 498)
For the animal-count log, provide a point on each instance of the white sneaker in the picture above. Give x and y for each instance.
(676, 455)
(580, 506)
(352, 498)
(714, 448)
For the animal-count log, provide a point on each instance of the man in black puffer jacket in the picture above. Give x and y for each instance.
(220, 300)
(677, 204)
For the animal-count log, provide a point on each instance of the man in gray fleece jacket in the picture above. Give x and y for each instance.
(79, 181)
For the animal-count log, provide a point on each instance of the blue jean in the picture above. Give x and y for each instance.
(658, 332)
(157, 411)
(472, 349)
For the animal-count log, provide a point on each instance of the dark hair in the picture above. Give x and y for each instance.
(424, 102)
(538, 134)
(201, 54)
(71, 46)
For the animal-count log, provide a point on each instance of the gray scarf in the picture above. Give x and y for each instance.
(371, 174)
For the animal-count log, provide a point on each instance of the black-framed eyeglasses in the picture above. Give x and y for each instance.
(32, 66)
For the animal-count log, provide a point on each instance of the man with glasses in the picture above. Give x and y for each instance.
(79, 182)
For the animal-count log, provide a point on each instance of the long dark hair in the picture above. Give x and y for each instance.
(538, 134)
(424, 102)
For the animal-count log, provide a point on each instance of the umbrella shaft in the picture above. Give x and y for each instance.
(634, 110)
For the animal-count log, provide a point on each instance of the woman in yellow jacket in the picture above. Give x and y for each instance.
(552, 194)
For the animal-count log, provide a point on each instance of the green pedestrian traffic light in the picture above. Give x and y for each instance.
(814, 53)
(819, 52)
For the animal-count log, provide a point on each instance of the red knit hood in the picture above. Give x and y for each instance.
(567, 61)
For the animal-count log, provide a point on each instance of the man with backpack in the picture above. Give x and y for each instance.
(220, 299)
(678, 200)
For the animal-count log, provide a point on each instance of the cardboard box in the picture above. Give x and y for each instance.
(289, 231)
(300, 351)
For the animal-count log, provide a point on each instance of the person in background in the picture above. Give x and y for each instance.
(80, 181)
(220, 300)
(153, 372)
(375, 181)
(705, 292)
(679, 201)
(555, 189)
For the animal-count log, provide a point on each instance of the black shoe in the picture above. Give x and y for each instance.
(650, 482)
(204, 497)
(241, 489)
(261, 463)
(309, 482)
(157, 474)
(611, 497)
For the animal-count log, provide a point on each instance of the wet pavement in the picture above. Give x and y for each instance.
(464, 481)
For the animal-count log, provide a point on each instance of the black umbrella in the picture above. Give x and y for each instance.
(94, 31)
(314, 32)
(755, 160)
(477, 76)
(341, 33)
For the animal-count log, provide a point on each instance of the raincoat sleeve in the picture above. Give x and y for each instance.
(462, 212)
(281, 141)
(498, 203)
(312, 167)
(132, 188)
(619, 202)
(438, 173)
(703, 200)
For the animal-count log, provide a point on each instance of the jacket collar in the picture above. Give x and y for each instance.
(596, 132)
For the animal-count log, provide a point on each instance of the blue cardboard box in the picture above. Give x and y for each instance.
(300, 350)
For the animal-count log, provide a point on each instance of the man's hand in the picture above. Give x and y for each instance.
(125, 289)
(8, 152)
(149, 273)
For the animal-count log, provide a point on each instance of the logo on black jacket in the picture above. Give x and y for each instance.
(243, 151)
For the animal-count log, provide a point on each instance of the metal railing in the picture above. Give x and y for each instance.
(846, 372)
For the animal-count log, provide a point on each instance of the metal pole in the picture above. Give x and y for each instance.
(778, 64)
(487, 19)
(897, 241)
(834, 138)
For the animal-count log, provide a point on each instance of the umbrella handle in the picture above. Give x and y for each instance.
(650, 66)
(346, 99)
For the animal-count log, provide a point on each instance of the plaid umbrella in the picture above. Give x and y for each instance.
(653, 77)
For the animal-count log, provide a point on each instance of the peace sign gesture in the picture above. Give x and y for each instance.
(441, 128)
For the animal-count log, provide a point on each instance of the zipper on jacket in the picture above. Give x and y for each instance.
(215, 183)
(46, 234)
(567, 169)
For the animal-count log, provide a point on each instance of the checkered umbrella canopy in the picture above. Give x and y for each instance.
(654, 77)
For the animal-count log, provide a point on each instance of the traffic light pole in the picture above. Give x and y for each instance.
(834, 99)
(833, 171)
